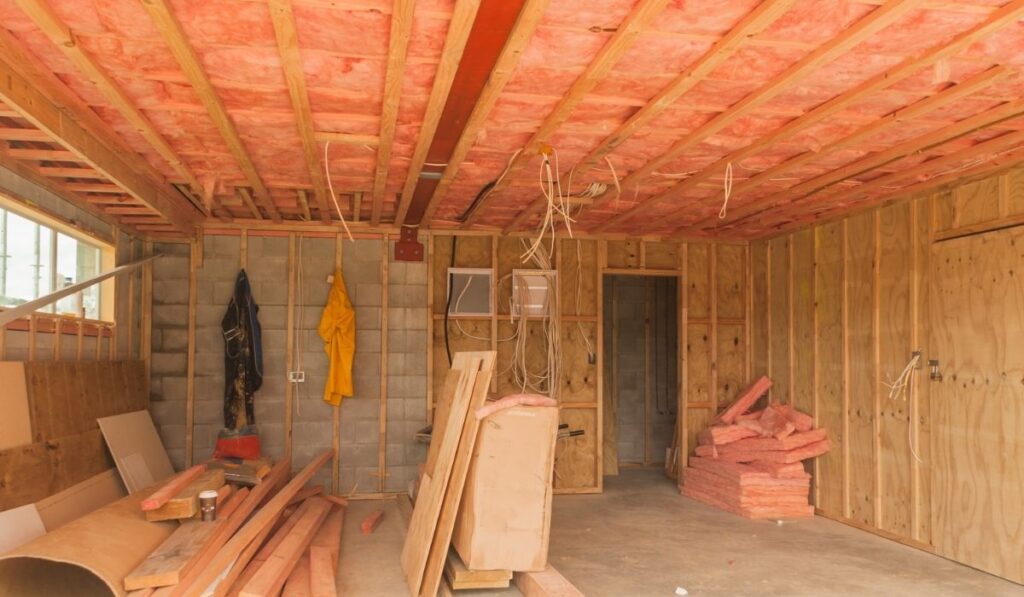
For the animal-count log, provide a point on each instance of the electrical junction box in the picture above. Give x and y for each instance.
(531, 290)
(470, 291)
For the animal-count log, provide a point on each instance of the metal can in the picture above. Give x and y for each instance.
(208, 505)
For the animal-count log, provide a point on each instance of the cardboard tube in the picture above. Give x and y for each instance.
(88, 556)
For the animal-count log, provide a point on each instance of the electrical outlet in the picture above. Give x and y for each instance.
(297, 376)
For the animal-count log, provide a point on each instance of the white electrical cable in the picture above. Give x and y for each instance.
(727, 191)
(903, 388)
(330, 185)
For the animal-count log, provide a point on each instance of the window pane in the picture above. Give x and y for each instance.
(77, 261)
(22, 257)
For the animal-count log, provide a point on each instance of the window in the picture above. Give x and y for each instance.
(37, 258)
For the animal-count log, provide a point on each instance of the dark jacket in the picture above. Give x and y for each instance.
(243, 355)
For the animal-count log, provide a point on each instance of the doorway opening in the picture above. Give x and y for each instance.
(641, 318)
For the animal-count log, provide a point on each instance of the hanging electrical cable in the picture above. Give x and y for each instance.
(727, 186)
(330, 186)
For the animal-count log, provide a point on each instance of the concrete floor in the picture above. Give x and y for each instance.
(640, 537)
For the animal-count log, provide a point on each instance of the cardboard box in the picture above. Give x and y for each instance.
(505, 516)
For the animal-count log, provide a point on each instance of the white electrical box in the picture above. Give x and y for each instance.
(470, 291)
(531, 292)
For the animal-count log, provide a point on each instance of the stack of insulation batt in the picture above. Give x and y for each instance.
(749, 463)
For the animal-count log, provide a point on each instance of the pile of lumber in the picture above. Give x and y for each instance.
(273, 537)
(749, 462)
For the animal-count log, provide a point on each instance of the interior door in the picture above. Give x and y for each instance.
(977, 464)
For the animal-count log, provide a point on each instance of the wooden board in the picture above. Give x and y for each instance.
(80, 499)
(272, 575)
(185, 503)
(579, 362)
(453, 492)
(977, 302)
(895, 489)
(167, 564)
(863, 378)
(137, 449)
(698, 283)
(577, 283)
(730, 281)
(20, 525)
(829, 385)
(778, 317)
(730, 359)
(661, 255)
(576, 457)
(459, 577)
(453, 409)
(758, 314)
(15, 424)
(623, 254)
(33, 472)
(549, 583)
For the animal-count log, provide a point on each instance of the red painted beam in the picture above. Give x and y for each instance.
(491, 28)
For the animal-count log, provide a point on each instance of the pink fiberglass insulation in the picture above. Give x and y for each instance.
(344, 55)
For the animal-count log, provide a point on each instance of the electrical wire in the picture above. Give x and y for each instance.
(903, 388)
(334, 198)
(727, 187)
(448, 303)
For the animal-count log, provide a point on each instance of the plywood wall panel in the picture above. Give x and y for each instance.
(829, 385)
(729, 361)
(698, 363)
(976, 202)
(803, 321)
(661, 255)
(779, 307)
(460, 338)
(575, 457)
(921, 404)
(698, 283)
(1013, 189)
(579, 362)
(861, 374)
(578, 277)
(759, 311)
(895, 267)
(624, 254)
(730, 281)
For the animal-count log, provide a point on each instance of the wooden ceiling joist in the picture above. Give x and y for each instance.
(106, 188)
(303, 204)
(890, 182)
(12, 134)
(754, 23)
(62, 37)
(908, 67)
(33, 105)
(459, 29)
(174, 36)
(291, 62)
(810, 187)
(246, 197)
(48, 155)
(523, 30)
(347, 138)
(867, 26)
(398, 46)
(625, 35)
(56, 172)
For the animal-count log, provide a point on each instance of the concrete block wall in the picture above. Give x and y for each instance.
(312, 418)
(629, 413)
(407, 370)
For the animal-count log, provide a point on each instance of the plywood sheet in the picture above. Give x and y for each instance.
(731, 281)
(623, 254)
(698, 362)
(977, 202)
(779, 318)
(803, 320)
(80, 499)
(894, 344)
(576, 457)
(579, 362)
(863, 378)
(577, 277)
(661, 255)
(922, 405)
(463, 336)
(698, 282)
(15, 424)
(137, 449)
(829, 388)
(33, 472)
(758, 315)
(729, 360)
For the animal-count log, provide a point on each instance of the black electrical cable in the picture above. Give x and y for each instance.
(479, 196)
(448, 303)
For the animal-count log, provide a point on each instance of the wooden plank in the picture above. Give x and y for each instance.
(298, 583)
(802, 318)
(272, 575)
(522, 32)
(63, 38)
(16, 424)
(79, 499)
(919, 408)
(547, 583)
(221, 558)
(829, 385)
(165, 566)
(445, 472)
(835, 47)
(321, 572)
(371, 521)
(778, 317)
(398, 45)
(291, 62)
(195, 261)
(459, 27)
(177, 41)
(185, 502)
(460, 578)
(172, 487)
(625, 35)
(251, 559)
(382, 407)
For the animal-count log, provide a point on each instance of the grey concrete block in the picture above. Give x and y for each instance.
(172, 340)
(368, 340)
(367, 295)
(368, 318)
(408, 296)
(168, 413)
(416, 273)
(174, 388)
(169, 292)
(170, 315)
(163, 363)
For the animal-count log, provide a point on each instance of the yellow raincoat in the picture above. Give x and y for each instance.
(338, 330)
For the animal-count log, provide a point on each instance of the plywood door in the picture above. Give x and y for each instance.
(977, 464)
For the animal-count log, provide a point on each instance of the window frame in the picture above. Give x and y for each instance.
(107, 293)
